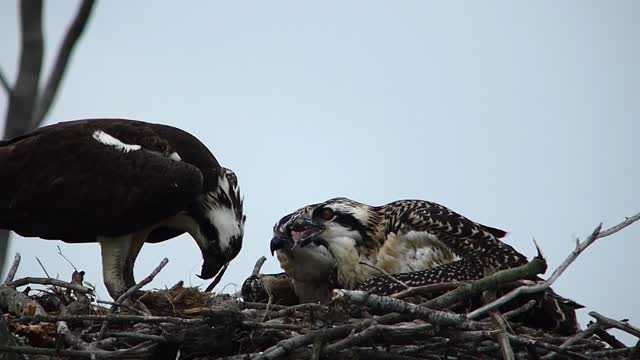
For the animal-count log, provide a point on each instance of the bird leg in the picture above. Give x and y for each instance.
(135, 247)
(115, 251)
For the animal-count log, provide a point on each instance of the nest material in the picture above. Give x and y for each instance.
(190, 324)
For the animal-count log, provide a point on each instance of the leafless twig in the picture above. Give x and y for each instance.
(536, 266)
(610, 323)
(64, 257)
(388, 304)
(580, 247)
(258, 265)
(13, 269)
(49, 281)
(43, 268)
(130, 292)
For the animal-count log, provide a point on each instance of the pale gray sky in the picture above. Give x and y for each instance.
(519, 115)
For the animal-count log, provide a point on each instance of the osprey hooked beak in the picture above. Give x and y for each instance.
(211, 266)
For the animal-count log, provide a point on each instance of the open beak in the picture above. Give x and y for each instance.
(304, 231)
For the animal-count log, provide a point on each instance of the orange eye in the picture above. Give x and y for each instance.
(327, 214)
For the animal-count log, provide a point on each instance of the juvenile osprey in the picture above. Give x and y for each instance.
(120, 183)
(311, 268)
(420, 242)
(403, 236)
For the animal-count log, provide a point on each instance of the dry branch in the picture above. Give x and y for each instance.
(13, 269)
(64, 55)
(536, 266)
(127, 294)
(49, 281)
(580, 247)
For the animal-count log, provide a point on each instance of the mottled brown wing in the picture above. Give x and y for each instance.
(463, 236)
(60, 183)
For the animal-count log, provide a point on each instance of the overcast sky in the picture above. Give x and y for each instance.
(519, 115)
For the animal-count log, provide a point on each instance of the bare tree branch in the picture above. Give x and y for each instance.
(25, 90)
(536, 266)
(5, 84)
(49, 281)
(610, 323)
(580, 247)
(71, 38)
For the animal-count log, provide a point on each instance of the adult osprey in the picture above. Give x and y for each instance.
(120, 183)
(419, 241)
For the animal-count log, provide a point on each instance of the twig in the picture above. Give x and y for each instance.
(13, 269)
(541, 344)
(388, 304)
(429, 288)
(580, 247)
(267, 325)
(289, 345)
(69, 261)
(610, 323)
(71, 339)
(119, 318)
(258, 265)
(217, 278)
(536, 266)
(520, 310)
(139, 336)
(500, 323)
(60, 65)
(120, 354)
(43, 268)
(383, 272)
(292, 309)
(589, 331)
(130, 292)
(49, 281)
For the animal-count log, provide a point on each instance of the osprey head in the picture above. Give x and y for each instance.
(310, 263)
(282, 236)
(220, 217)
(338, 217)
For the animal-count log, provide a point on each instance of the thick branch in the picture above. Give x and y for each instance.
(50, 281)
(64, 54)
(25, 90)
(388, 304)
(580, 247)
(610, 323)
(533, 267)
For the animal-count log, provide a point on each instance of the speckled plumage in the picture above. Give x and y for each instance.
(408, 236)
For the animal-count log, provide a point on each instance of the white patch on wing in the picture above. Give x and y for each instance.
(106, 139)
(175, 156)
